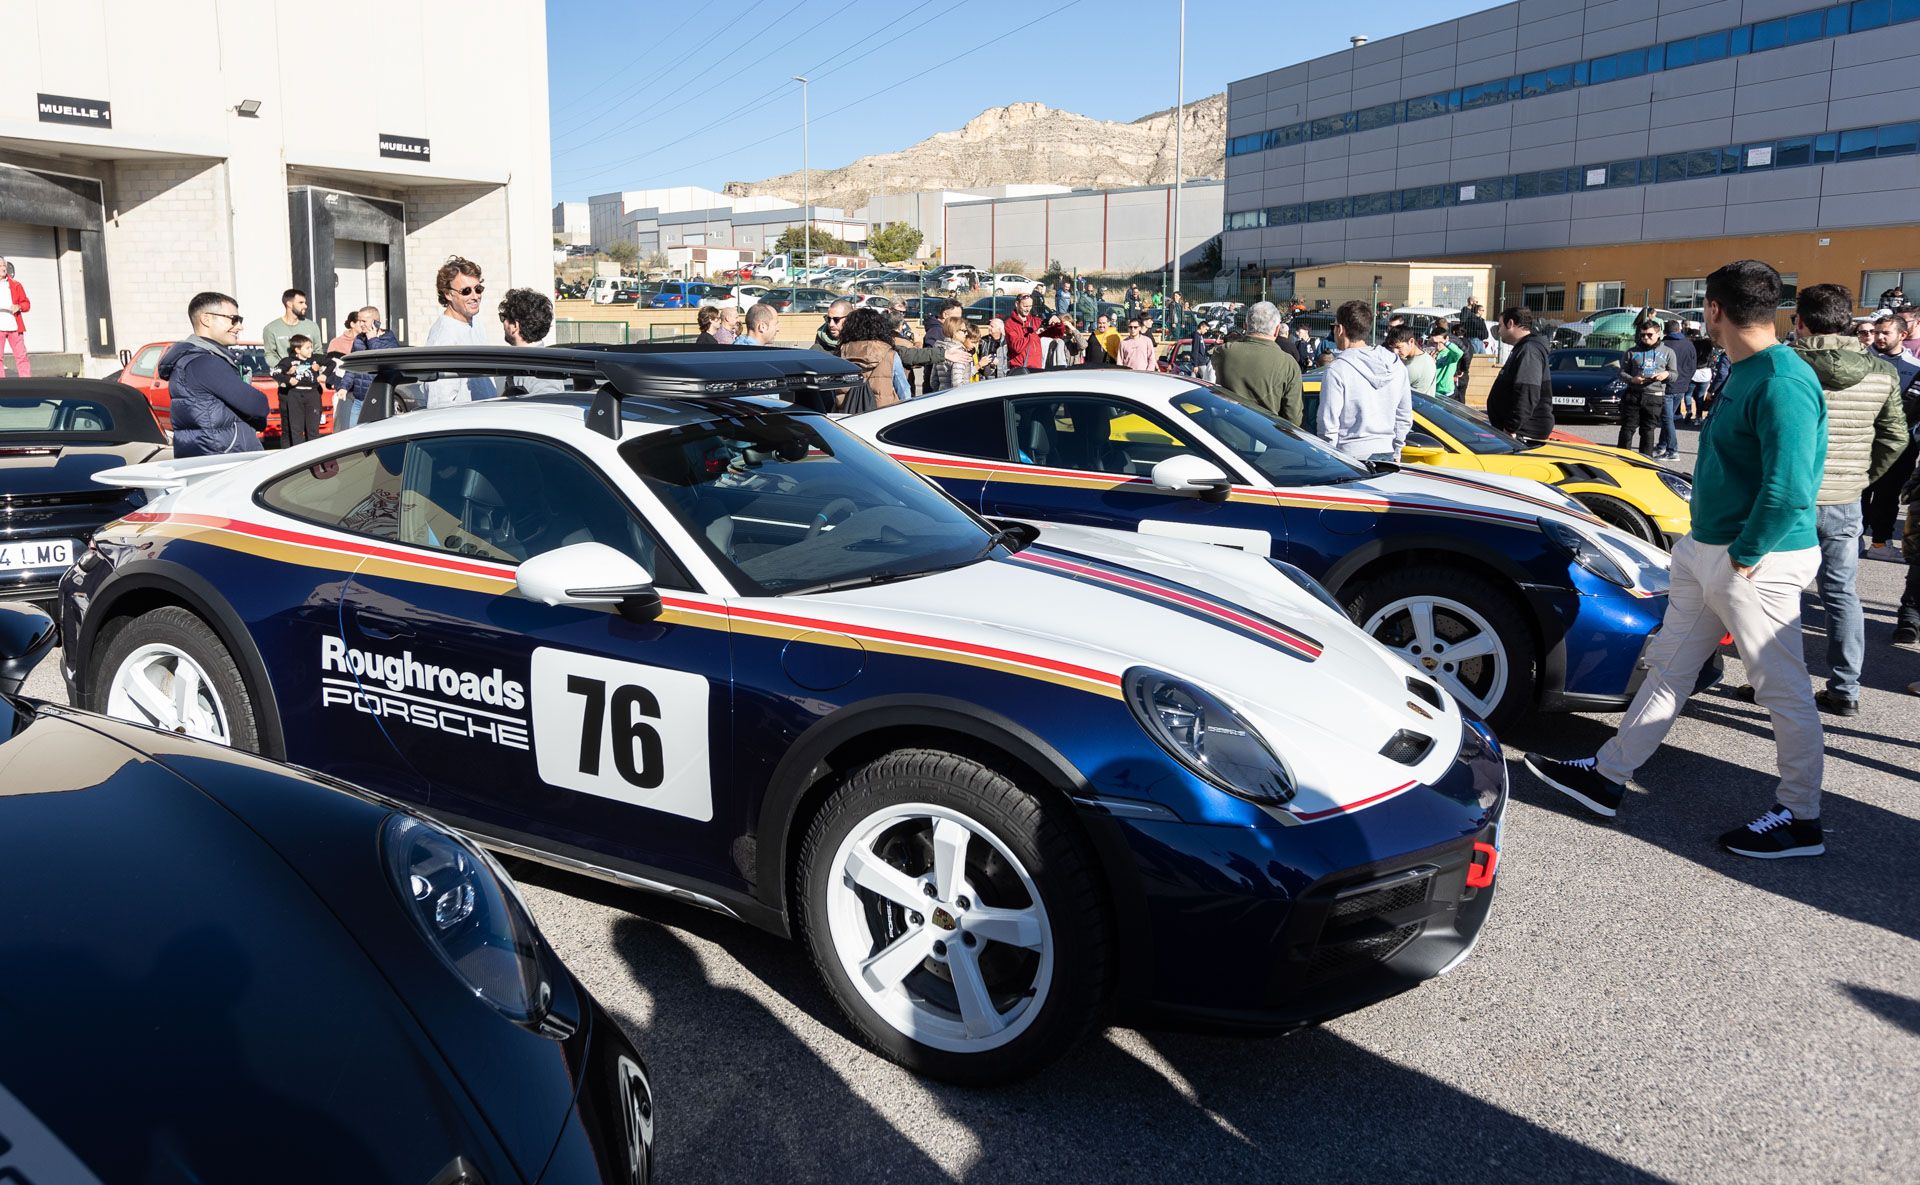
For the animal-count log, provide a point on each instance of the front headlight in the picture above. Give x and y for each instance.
(467, 908)
(1586, 552)
(1681, 487)
(1309, 585)
(1208, 737)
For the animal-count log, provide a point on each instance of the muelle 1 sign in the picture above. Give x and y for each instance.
(405, 147)
(93, 113)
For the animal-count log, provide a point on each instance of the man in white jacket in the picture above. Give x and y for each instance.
(1366, 406)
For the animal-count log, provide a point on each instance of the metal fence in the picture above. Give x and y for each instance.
(600, 333)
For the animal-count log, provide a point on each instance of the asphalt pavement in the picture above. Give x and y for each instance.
(1640, 1008)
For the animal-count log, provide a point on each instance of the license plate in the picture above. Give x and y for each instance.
(1568, 401)
(48, 553)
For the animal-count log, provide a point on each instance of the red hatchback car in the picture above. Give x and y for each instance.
(142, 366)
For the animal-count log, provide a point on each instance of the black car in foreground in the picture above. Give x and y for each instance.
(1587, 383)
(219, 968)
(55, 434)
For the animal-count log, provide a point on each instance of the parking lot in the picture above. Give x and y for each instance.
(1641, 1007)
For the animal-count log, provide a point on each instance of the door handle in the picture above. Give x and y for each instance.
(381, 627)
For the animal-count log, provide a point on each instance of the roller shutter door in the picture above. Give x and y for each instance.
(33, 251)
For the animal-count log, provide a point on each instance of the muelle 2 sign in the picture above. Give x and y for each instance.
(405, 147)
(93, 113)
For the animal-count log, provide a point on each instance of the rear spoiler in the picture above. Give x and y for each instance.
(164, 477)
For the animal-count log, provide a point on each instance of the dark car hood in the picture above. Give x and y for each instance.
(27, 468)
(178, 1004)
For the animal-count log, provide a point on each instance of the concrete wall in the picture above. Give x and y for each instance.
(197, 194)
(1119, 231)
(1847, 82)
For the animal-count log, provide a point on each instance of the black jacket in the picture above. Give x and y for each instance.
(1521, 401)
(1689, 361)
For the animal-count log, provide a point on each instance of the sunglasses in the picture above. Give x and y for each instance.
(471, 290)
(236, 318)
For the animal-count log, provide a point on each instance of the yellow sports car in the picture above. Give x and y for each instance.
(1619, 486)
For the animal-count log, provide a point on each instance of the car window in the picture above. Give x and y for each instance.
(974, 429)
(147, 361)
(354, 492)
(1094, 433)
(794, 503)
(41, 415)
(1281, 452)
(253, 361)
(508, 499)
(1473, 430)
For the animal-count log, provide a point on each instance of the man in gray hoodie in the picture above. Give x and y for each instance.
(1366, 406)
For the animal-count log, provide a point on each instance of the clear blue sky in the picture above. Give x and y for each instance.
(646, 93)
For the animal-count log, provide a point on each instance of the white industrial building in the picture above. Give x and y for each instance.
(689, 216)
(926, 210)
(1104, 231)
(151, 151)
(572, 224)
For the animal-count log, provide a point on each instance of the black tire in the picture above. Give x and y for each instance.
(1481, 596)
(1044, 839)
(183, 630)
(1616, 512)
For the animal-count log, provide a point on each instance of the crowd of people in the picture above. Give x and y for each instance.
(216, 409)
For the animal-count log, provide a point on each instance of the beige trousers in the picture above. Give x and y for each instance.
(1762, 612)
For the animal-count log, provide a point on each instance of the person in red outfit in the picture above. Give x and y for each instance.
(1026, 337)
(13, 326)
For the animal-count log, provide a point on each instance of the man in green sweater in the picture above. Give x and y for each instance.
(1258, 373)
(1753, 550)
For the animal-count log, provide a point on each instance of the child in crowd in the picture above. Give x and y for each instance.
(298, 375)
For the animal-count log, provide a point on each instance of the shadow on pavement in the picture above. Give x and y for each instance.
(1310, 1107)
(1692, 797)
(1903, 1011)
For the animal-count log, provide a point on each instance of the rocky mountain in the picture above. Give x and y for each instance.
(1023, 143)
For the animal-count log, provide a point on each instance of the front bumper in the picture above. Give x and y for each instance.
(1271, 929)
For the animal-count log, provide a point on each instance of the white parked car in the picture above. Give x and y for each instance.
(1007, 282)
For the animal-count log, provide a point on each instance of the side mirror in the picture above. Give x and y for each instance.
(26, 635)
(1414, 454)
(589, 574)
(1188, 474)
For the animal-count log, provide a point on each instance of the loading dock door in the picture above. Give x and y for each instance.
(34, 253)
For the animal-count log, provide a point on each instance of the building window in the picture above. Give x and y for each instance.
(1690, 293)
(1544, 298)
(1872, 284)
(1603, 294)
(1789, 289)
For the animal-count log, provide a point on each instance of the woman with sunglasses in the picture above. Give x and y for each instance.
(460, 288)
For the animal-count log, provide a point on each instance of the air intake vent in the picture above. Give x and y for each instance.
(1406, 747)
(1424, 690)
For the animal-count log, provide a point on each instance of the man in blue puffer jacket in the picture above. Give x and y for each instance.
(215, 409)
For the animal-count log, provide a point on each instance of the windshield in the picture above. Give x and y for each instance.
(1472, 429)
(1281, 452)
(791, 504)
(37, 416)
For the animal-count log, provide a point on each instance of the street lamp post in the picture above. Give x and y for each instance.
(1179, 117)
(806, 176)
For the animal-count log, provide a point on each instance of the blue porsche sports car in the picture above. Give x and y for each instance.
(660, 627)
(217, 968)
(1508, 592)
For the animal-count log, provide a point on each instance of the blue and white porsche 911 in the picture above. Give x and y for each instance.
(663, 627)
(1508, 592)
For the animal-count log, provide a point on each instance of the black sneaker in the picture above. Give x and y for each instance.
(1580, 781)
(1836, 705)
(1776, 835)
(1743, 693)
(1906, 635)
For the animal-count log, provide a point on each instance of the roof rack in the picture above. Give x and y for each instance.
(655, 371)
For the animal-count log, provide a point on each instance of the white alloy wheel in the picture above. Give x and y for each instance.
(1449, 641)
(958, 958)
(163, 687)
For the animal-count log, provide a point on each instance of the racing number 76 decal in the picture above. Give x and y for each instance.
(622, 730)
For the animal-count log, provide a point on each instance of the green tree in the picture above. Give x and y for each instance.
(793, 239)
(894, 242)
(1011, 267)
(624, 253)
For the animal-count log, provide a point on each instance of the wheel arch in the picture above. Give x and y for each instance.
(154, 584)
(814, 763)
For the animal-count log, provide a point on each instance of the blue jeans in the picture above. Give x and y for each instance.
(1838, 528)
(1669, 430)
(1694, 399)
